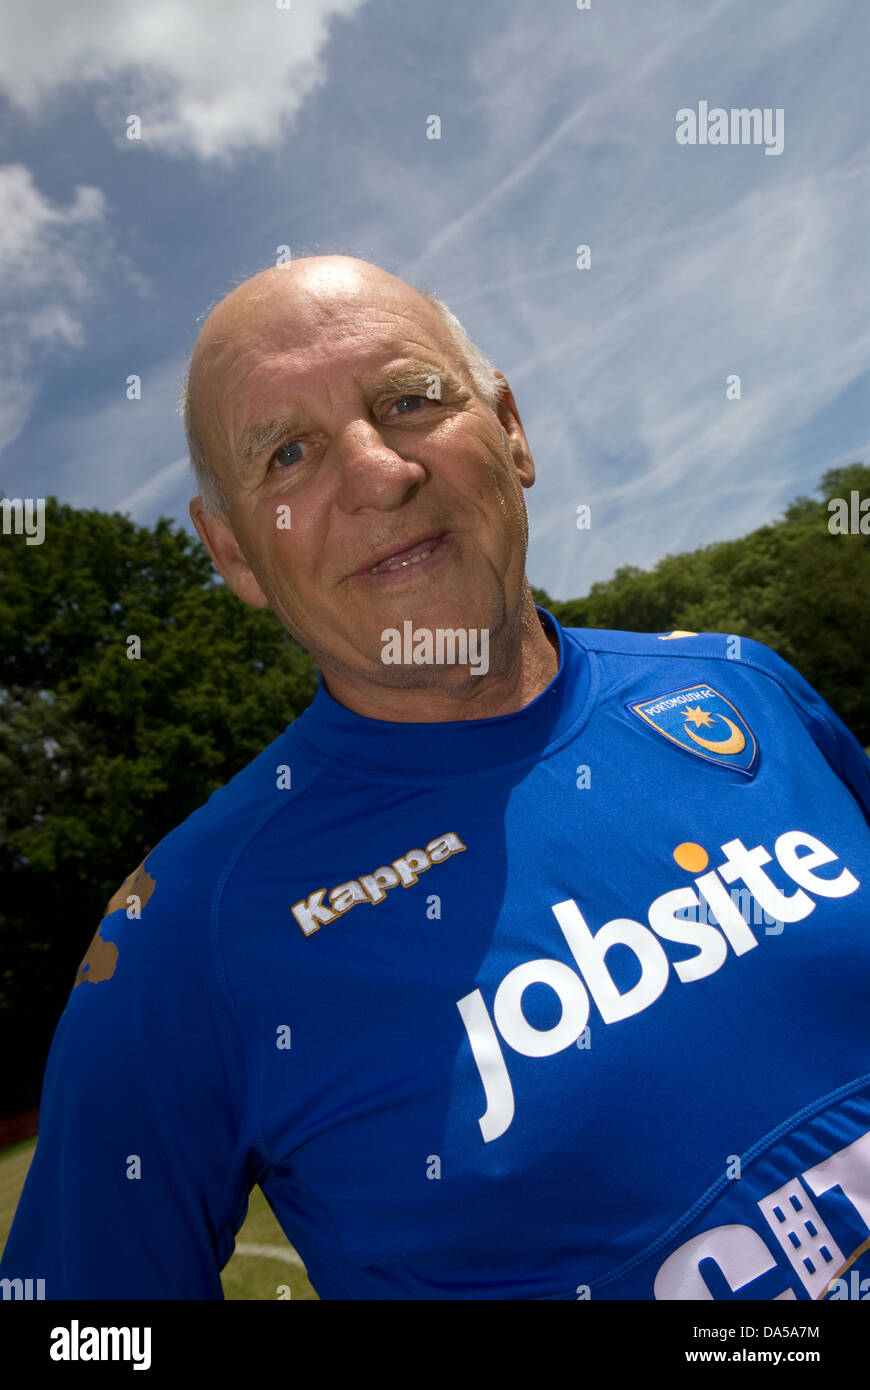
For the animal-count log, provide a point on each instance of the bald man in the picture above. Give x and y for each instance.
(529, 962)
(398, 477)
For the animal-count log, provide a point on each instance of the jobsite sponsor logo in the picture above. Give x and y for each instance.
(797, 853)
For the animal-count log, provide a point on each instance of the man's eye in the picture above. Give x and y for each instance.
(400, 403)
(282, 456)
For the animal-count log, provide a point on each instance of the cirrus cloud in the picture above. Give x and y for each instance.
(46, 254)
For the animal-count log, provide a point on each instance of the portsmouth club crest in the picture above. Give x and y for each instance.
(703, 722)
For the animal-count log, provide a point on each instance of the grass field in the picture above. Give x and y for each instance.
(264, 1260)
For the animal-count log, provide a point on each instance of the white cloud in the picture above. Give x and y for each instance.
(207, 77)
(47, 255)
(17, 397)
(36, 237)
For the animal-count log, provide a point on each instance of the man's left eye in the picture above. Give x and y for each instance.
(400, 403)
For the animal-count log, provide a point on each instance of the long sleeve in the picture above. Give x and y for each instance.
(143, 1165)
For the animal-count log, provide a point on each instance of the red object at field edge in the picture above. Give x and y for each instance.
(18, 1127)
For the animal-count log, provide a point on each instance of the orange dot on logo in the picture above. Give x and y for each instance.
(692, 857)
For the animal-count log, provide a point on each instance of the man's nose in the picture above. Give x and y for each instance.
(373, 472)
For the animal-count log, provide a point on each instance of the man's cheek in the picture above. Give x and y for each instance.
(274, 519)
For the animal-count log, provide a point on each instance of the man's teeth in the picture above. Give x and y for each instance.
(400, 564)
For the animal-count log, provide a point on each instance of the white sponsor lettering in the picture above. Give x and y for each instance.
(702, 692)
(590, 950)
(800, 1231)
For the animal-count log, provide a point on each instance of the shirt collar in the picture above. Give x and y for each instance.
(439, 750)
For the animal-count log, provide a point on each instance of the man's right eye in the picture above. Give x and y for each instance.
(281, 455)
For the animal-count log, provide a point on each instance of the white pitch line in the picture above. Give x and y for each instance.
(271, 1252)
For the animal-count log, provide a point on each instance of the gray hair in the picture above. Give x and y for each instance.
(479, 368)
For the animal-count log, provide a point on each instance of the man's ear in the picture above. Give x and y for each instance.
(509, 418)
(230, 563)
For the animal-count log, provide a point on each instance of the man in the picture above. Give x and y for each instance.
(527, 962)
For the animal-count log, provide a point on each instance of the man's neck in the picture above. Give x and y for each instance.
(526, 661)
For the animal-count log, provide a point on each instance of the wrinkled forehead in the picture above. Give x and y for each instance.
(263, 339)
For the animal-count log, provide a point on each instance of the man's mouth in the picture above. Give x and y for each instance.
(404, 559)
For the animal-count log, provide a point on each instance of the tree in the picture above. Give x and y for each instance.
(102, 755)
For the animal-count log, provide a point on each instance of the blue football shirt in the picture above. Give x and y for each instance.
(570, 1003)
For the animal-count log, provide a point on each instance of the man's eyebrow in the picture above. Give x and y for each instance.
(257, 438)
(405, 376)
(415, 374)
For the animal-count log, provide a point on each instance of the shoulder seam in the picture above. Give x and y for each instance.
(795, 697)
(792, 694)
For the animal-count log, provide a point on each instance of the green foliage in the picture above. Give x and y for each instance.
(792, 585)
(100, 755)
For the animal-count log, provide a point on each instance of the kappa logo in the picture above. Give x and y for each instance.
(700, 720)
(311, 913)
(798, 855)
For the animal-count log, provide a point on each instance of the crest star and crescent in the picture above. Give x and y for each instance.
(673, 717)
(734, 743)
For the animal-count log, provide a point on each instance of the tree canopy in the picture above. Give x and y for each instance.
(102, 755)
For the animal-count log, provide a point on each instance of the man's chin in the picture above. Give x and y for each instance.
(443, 600)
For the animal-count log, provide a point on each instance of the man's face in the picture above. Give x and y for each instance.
(339, 376)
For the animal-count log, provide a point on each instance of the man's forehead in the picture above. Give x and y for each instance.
(283, 309)
(294, 339)
(260, 377)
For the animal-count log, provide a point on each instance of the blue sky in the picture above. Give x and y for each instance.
(306, 126)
